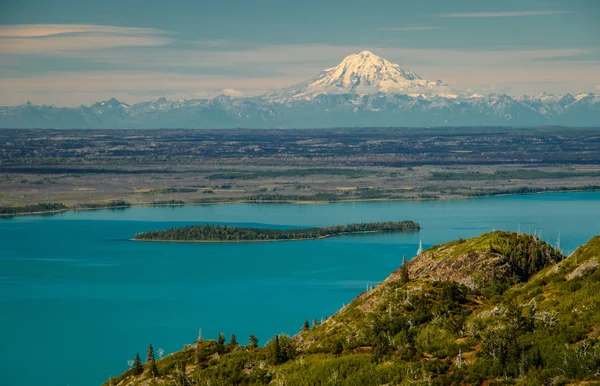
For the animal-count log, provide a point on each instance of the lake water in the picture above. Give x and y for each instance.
(77, 299)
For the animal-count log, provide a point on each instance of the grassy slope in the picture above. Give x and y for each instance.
(467, 302)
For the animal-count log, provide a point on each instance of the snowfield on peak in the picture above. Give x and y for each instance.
(363, 90)
(365, 74)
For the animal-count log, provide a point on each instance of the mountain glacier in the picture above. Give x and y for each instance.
(364, 90)
(365, 74)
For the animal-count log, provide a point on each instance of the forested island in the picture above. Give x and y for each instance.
(223, 233)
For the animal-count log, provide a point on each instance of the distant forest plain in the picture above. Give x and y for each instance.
(55, 170)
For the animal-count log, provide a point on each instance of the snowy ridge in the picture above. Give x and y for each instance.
(363, 90)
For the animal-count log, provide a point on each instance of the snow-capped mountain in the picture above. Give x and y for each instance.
(363, 90)
(110, 106)
(364, 73)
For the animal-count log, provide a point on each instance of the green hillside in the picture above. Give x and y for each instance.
(500, 308)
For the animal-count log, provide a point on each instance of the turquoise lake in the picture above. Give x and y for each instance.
(78, 299)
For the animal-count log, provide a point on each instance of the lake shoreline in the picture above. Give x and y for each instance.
(295, 202)
(84, 265)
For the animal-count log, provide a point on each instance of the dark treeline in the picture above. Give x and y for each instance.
(531, 190)
(37, 208)
(168, 202)
(52, 207)
(245, 175)
(73, 170)
(103, 205)
(508, 174)
(226, 233)
(291, 197)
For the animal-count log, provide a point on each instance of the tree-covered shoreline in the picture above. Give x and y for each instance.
(223, 233)
(57, 207)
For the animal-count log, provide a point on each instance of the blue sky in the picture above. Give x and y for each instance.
(72, 52)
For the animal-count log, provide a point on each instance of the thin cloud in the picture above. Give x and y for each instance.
(501, 14)
(233, 93)
(44, 30)
(52, 38)
(73, 89)
(410, 28)
(292, 59)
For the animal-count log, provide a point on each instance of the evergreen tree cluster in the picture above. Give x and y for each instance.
(280, 349)
(44, 207)
(525, 254)
(226, 233)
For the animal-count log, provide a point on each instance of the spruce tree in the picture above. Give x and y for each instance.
(403, 271)
(221, 343)
(305, 326)
(338, 348)
(199, 354)
(150, 354)
(137, 365)
(151, 362)
(274, 351)
(536, 361)
(181, 378)
(252, 341)
(404, 275)
(232, 341)
(287, 349)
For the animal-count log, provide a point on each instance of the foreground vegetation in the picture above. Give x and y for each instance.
(228, 234)
(499, 309)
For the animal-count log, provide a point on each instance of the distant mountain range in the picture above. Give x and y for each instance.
(363, 90)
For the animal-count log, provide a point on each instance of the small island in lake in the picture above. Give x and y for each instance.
(223, 233)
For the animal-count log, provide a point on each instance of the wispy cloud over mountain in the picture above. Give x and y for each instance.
(50, 38)
(41, 30)
(502, 14)
(410, 28)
